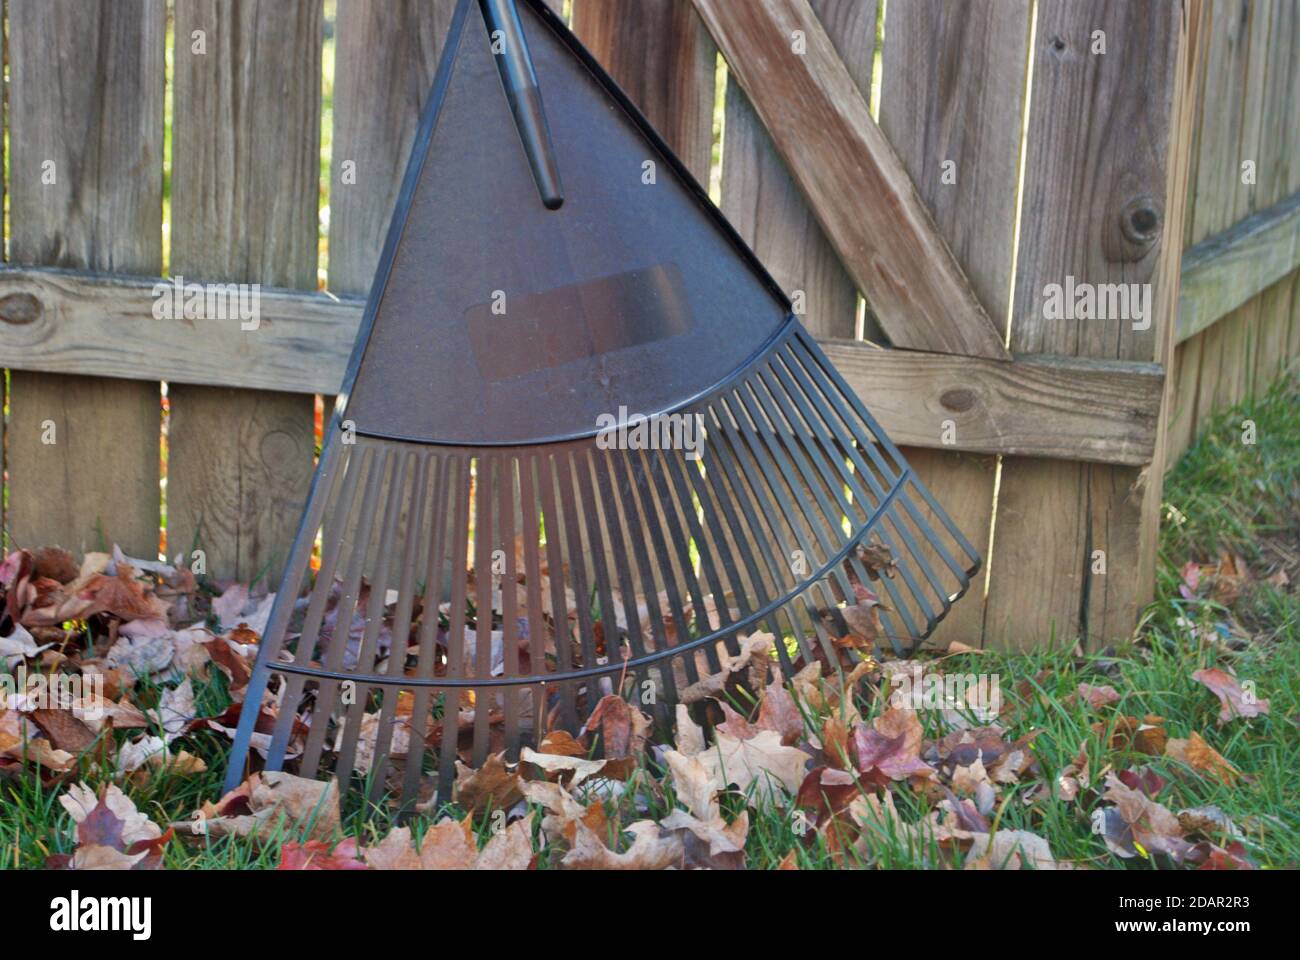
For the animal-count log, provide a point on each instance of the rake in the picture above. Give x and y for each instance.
(582, 437)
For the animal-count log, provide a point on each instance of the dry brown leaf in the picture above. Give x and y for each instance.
(1009, 850)
(763, 760)
(571, 770)
(753, 662)
(1234, 700)
(64, 730)
(276, 800)
(508, 849)
(710, 844)
(448, 845)
(1199, 755)
(694, 783)
(651, 849)
(493, 786)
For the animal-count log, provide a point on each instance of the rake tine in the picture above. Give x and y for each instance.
(455, 636)
(355, 711)
(618, 549)
(396, 663)
(786, 455)
(327, 690)
(746, 452)
(686, 500)
(596, 550)
(678, 539)
(483, 544)
(898, 526)
(777, 455)
(651, 518)
(428, 637)
(718, 475)
(335, 465)
(532, 534)
(757, 509)
(559, 603)
(507, 487)
(577, 560)
(830, 477)
(637, 524)
(842, 395)
(359, 463)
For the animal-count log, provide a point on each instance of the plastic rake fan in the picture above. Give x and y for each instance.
(581, 433)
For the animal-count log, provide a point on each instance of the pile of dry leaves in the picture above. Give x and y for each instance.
(830, 749)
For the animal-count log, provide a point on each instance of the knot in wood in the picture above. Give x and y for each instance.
(958, 400)
(1140, 220)
(20, 308)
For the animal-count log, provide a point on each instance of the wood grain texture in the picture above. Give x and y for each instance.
(244, 208)
(763, 202)
(1236, 310)
(1095, 208)
(1188, 69)
(377, 104)
(820, 124)
(661, 54)
(1231, 268)
(86, 96)
(1049, 406)
(953, 92)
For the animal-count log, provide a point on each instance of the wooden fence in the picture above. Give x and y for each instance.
(1040, 140)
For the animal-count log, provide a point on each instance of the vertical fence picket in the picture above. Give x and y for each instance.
(952, 96)
(1094, 208)
(662, 56)
(377, 104)
(86, 135)
(246, 157)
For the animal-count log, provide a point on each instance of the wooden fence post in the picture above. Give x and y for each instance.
(86, 135)
(246, 188)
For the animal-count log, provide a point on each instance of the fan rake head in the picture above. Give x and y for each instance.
(501, 542)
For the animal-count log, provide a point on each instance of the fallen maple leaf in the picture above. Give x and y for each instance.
(892, 745)
(1097, 697)
(1199, 755)
(1154, 828)
(493, 786)
(762, 761)
(753, 662)
(1235, 701)
(652, 849)
(1008, 850)
(274, 800)
(111, 833)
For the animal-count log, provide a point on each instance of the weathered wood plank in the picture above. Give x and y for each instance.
(1230, 268)
(661, 54)
(86, 133)
(764, 204)
(954, 88)
(244, 207)
(1186, 81)
(377, 103)
(822, 127)
(1095, 208)
(1048, 406)
(1226, 70)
